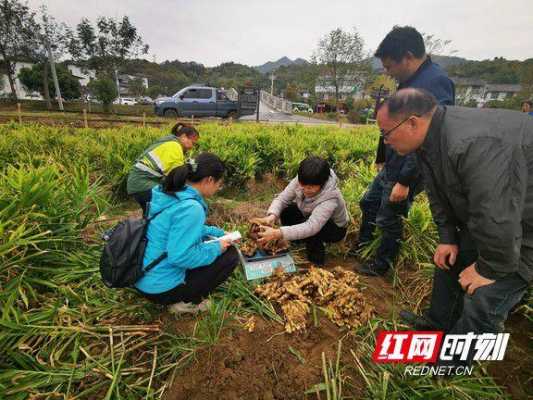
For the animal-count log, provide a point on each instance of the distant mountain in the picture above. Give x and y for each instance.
(283, 61)
(444, 61)
(448, 61)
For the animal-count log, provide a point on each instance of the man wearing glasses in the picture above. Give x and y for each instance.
(478, 174)
(390, 195)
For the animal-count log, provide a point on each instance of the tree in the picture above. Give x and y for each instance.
(136, 87)
(385, 82)
(303, 76)
(154, 91)
(106, 47)
(17, 37)
(104, 90)
(291, 92)
(32, 79)
(510, 103)
(52, 43)
(340, 55)
(436, 46)
(526, 79)
(498, 70)
(470, 103)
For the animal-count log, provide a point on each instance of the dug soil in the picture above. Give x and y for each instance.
(268, 363)
(264, 364)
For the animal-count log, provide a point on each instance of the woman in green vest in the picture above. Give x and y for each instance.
(158, 160)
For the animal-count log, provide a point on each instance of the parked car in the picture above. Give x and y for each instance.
(301, 107)
(34, 96)
(200, 101)
(145, 100)
(128, 101)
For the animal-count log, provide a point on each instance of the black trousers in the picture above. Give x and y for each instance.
(199, 282)
(379, 211)
(330, 232)
(455, 311)
(143, 198)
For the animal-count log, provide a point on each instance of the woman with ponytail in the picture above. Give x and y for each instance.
(194, 266)
(158, 160)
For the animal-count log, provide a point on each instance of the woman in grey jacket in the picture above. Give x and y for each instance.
(311, 208)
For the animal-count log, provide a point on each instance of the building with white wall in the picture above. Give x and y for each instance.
(22, 92)
(477, 90)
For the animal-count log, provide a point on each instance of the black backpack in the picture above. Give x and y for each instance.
(121, 263)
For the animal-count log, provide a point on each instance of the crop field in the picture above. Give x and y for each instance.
(64, 335)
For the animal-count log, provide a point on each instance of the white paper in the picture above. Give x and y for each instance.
(232, 237)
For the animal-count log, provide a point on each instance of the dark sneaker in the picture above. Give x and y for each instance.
(418, 322)
(373, 269)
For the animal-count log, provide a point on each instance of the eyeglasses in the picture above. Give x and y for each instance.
(385, 134)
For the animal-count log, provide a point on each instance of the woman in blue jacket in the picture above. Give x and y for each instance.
(193, 267)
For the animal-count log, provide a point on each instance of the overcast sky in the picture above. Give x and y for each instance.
(253, 32)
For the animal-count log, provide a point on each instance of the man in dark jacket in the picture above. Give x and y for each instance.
(478, 174)
(390, 195)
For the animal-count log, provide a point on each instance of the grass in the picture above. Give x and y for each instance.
(64, 335)
(388, 381)
(210, 325)
(333, 378)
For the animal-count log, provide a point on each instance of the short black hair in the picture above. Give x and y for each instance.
(400, 41)
(410, 101)
(313, 171)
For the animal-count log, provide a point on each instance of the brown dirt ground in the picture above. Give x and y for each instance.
(224, 210)
(259, 365)
(514, 372)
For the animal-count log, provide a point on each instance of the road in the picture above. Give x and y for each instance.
(269, 115)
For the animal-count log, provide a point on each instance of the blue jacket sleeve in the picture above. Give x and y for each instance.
(443, 89)
(215, 231)
(185, 247)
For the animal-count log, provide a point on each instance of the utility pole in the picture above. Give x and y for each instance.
(118, 87)
(272, 77)
(54, 74)
(258, 93)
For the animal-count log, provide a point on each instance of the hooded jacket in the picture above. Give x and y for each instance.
(327, 204)
(179, 230)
